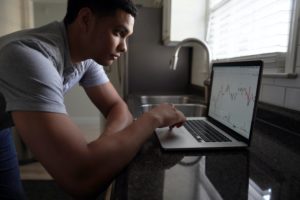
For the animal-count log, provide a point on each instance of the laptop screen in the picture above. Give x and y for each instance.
(233, 95)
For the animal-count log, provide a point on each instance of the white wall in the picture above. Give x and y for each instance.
(10, 16)
(45, 12)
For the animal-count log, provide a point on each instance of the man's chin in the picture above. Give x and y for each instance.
(104, 62)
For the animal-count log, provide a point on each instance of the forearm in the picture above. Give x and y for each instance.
(125, 143)
(111, 153)
(79, 167)
(118, 118)
(112, 106)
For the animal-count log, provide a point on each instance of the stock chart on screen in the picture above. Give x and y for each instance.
(233, 95)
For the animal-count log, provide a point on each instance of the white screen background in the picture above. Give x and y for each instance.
(233, 96)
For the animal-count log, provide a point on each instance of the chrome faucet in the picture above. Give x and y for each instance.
(189, 42)
(192, 42)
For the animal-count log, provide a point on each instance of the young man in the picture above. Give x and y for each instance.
(38, 66)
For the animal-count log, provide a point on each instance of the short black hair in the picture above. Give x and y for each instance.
(100, 7)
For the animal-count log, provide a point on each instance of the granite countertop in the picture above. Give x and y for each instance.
(268, 169)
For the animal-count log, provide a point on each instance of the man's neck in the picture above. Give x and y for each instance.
(75, 44)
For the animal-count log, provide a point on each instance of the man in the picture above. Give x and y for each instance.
(38, 66)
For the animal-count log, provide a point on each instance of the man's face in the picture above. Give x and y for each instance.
(108, 38)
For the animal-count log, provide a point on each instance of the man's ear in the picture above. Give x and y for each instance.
(85, 19)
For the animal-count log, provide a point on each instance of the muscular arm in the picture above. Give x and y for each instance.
(106, 99)
(81, 168)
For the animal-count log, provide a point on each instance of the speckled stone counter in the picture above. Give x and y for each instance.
(268, 169)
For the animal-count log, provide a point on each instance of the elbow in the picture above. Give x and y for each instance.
(86, 191)
(83, 188)
(95, 172)
(82, 182)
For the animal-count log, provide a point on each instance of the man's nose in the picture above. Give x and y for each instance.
(123, 46)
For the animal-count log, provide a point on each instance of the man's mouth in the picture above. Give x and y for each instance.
(115, 56)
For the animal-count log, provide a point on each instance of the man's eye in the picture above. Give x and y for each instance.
(116, 33)
(120, 33)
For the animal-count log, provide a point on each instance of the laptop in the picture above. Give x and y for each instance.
(233, 96)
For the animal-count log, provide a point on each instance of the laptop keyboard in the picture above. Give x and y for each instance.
(203, 132)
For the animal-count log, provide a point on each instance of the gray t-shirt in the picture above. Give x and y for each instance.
(36, 70)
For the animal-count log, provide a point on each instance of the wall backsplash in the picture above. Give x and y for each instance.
(282, 92)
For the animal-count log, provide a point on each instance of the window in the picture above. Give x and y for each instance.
(249, 27)
(238, 30)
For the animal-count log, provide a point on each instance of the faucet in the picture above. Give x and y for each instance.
(191, 42)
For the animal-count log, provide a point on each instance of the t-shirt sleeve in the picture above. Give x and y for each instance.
(94, 75)
(29, 81)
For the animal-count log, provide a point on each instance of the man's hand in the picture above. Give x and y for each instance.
(168, 115)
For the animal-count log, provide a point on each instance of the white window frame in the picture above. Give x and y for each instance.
(290, 62)
(285, 61)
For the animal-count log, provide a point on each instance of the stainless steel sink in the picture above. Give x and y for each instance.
(174, 99)
(190, 105)
(189, 110)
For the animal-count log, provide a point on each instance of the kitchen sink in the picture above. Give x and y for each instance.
(174, 99)
(190, 105)
(189, 110)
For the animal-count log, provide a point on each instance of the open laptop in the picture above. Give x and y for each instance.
(231, 108)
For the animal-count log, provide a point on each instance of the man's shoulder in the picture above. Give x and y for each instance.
(48, 40)
(45, 37)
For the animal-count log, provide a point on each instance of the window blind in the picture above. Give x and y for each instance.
(250, 27)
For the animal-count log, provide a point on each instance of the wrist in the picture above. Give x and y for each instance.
(154, 119)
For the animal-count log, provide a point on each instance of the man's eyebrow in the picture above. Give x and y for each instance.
(123, 29)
